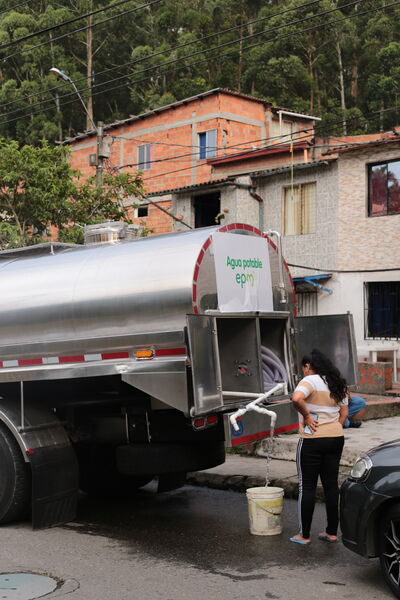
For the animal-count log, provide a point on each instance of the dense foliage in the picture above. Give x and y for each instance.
(40, 195)
(333, 58)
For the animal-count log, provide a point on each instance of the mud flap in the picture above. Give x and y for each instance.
(54, 486)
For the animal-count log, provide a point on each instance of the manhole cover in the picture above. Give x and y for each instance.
(25, 586)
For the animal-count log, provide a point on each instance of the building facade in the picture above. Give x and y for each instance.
(173, 145)
(223, 157)
(339, 216)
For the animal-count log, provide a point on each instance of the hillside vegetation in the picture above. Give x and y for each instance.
(338, 60)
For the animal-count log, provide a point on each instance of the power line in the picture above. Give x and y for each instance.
(275, 145)
(60, 37)
(170, 144)
(14, 7)
(313, 28)
(253, 35)
(204, 60)
(178, 47)
(205, 51)
(137, 139)
(344, 271)
(223, 56)
(53, 27)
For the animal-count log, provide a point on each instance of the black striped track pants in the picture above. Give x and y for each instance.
(318, 457)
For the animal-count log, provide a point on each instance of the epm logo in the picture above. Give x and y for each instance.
(242, 278)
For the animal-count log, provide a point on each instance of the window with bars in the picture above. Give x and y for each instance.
(382, 309)
(299, 209)
(384, 189)
(307, 304)
(144, 157)
(207, 144)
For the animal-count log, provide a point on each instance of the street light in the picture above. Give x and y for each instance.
(59, 74)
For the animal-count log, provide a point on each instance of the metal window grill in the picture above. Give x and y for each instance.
(382, 310)
(307, 304)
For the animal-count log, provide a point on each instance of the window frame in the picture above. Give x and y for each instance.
(207, 150)
(277, 130)
(384, 306)
(142, 207)
(144, 165)
(370, 167)
(286, 189)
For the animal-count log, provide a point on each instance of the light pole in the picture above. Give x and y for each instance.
(98, 128)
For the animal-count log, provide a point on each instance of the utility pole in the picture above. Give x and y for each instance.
(100, 155)
(101, 151)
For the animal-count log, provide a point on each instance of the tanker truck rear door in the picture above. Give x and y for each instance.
(334, 336)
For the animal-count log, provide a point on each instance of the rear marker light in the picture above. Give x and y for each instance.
(148, 353)
(30, 451)
(204, 422)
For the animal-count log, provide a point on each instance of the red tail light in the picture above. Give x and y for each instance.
(204, 422)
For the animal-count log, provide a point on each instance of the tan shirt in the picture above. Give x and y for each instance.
(319, 401)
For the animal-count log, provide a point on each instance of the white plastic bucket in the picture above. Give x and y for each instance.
(265, 509)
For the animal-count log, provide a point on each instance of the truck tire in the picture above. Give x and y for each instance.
(15, 479)
(389, 548)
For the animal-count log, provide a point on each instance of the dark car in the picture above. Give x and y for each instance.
(370, 509)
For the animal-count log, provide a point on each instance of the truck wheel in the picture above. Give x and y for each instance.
(389, 548)
(15, 479)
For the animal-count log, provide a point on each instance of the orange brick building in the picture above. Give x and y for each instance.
(177, 146)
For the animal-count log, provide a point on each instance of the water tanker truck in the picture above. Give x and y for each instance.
(123, 362)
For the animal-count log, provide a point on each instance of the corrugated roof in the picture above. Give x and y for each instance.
(288, 168)
(361, 146)
(231, 179)
(293, 112)
(195, 186)
(133, 118)
(257, 153)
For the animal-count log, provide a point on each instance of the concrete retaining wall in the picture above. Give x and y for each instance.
(374, 377)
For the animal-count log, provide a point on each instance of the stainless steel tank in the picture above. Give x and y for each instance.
(110, 298)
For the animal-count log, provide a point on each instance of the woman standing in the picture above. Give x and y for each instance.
(321, 399)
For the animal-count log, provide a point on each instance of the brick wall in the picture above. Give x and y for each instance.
(241, 123)
(173, 134)
(317, 249)
(364, 242)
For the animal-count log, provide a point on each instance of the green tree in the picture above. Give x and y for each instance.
(335, 65)
(39, 192)
(384, 84)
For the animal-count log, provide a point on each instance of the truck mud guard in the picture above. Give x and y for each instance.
(44, 444)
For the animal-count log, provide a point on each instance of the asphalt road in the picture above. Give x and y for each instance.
(192, 544)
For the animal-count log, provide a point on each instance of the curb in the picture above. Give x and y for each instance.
(240, 483)
(285, 448)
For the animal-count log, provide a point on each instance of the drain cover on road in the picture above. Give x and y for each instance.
(25, 586)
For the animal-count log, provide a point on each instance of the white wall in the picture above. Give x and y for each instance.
(348, 295)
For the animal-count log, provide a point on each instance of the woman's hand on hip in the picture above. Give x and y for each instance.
(311, 422)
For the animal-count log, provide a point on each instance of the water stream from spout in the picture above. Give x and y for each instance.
(269, 448)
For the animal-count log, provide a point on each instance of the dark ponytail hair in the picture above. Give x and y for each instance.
(330, 374)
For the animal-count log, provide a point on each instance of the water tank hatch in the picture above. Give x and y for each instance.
(110, 232)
